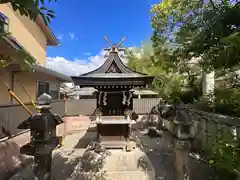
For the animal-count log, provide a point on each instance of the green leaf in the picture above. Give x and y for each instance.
(51, 15)
(48, 19)
(50, 11)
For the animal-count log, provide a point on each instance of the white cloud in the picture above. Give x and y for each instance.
(77, 66)
(60, 36)
(72, 36)
(87, 54)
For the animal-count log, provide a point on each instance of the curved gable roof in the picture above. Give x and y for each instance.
(113, 60)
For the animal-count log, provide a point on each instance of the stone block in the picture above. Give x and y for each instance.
(130, 146)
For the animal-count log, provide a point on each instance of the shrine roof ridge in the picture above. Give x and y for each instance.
(113, 60)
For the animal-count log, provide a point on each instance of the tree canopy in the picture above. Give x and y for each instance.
(193, 28)
(32, 8)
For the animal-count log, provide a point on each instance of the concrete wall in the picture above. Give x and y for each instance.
(27, 33)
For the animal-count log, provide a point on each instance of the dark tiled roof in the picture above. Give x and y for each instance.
(113, 59)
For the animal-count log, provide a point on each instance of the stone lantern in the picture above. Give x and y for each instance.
(183, 123)
(43, 137)
(179, 122)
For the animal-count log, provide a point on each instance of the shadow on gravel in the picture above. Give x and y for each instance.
(90, 167)
(64, 166)
(90, 135)
(161, 153)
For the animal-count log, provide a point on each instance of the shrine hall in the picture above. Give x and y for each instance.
(113, 82)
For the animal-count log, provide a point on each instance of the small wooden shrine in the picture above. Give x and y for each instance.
(113, 80)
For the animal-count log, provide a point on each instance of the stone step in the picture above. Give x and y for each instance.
(115, 175)
(113, 144)
(122, 161)
(114, 160)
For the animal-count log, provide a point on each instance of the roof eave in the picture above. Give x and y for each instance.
(51, 38)
(15, 45)
(61, 77)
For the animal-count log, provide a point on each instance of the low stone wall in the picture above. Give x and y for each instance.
(10, 157)
(76, 123)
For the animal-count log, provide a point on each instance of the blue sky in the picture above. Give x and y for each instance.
(81, 25)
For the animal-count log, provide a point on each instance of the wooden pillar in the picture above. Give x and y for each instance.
(12, 79)
(208, 83)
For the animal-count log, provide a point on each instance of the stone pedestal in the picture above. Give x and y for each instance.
(114, 132)
(181, 150)
(114, 164)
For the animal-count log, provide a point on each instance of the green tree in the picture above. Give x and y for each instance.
(169, 81)
(32, 8)
(208, 30)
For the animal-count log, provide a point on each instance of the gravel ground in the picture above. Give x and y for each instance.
(72, 162)
(64, 159)
(114, 165)
(161, 155)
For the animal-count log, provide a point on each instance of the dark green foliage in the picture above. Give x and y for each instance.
(226, 101)
(32, 8)
(194, 29)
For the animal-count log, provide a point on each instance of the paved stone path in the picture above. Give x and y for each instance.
(73, 162)
(64, 159)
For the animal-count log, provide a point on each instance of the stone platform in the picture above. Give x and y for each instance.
(87, 165)
(113, 165)
(74, 162)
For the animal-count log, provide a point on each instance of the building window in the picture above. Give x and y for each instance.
(54, 95)
(3, 23)
(43, 87)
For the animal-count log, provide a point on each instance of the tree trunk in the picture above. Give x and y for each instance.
(208, 83)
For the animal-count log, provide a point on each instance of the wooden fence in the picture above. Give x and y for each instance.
(87, 106)
(80, 107)
(220, 135)
(213, 127)
(12, 115)
(144, 105)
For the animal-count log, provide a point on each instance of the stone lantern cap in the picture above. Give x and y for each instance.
(176, 113)
(182, 114)
(44, 101)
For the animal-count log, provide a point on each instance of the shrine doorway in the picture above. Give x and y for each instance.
(114, 106)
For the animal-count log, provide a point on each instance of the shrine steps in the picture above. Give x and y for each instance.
(114, 165)
(114, 144)
(116, 175)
